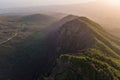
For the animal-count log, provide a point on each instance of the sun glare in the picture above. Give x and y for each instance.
(113, 2)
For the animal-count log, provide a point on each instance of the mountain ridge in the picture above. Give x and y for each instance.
(83, 44)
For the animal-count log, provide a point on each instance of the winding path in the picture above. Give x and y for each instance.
(9, 39)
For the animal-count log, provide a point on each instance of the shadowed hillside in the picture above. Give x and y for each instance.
(23, 52)
(87, 52)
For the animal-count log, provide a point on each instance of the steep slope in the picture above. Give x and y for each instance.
(87, 51)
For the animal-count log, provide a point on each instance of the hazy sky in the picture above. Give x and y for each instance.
(20, 3)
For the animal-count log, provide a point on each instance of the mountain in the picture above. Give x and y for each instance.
(86, 51)
(100, 11)
(104, 13)
(42, 47)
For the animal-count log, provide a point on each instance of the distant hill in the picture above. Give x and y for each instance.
(87, 51)
(105, 14)
(36, 18)
(101, 12)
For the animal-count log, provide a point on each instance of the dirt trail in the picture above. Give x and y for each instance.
(9, 39)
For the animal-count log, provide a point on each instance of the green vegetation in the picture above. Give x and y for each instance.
(85, 50)
(93, 64)
(99, 61)
(86, 68)
(22, 55)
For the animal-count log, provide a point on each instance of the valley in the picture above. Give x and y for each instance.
(23, 54)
